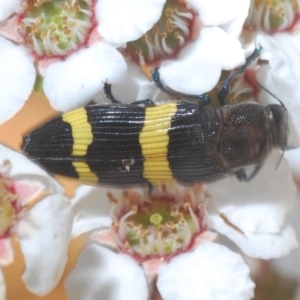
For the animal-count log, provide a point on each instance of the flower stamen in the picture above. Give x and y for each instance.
(56, 27)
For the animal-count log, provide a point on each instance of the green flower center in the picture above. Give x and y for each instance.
(8, 200)
(272, 15)
(167, 36)
(56, 27)
(159, 225)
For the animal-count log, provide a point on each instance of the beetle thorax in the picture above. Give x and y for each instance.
(246, 137)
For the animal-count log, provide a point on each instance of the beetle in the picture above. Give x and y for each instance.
(146, 144)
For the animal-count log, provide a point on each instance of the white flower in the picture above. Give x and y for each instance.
(251, 214)
(75, 61)
(43, 229)
(191, 55)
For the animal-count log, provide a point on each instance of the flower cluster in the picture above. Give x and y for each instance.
(175, 242)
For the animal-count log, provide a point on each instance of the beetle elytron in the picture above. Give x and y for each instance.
(133, 144)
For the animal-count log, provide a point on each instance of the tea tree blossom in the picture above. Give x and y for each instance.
(272, 16)
(193, 43)
(169, 235)
(42, 229)
(61, 38)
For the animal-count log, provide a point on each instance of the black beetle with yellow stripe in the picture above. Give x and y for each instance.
(146, 144)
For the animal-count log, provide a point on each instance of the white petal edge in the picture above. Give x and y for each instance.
(211, 272)
(218, 12)
(75, 81)
(17, 80)
(2, 287)
(91, 209)
(8, 7)
(44, 234)
(23, 168)
(260, 205)
(199, 64)
(103, 274)
(264, 245)
(121, 21)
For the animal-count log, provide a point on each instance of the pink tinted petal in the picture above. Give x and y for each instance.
(44, 234)
(122, 21)
(264, 245)
(94, 37)
(103, 274)
(210, 272)
(8, 29)
(6, 252)
(8, 7)
(151, 266)
(44, 63)
(22, 167)
(258, 206)
(206, 236)
(28, 190)
(75, 81)
(16, 65)
(91, 209)
(199, 65)
(105, 238)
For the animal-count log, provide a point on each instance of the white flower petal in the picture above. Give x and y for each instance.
(44, 235)
(211, 272)
(8, 7)
(103, 274)
(289, 265)
(91, 209)
(282, 76)
(17, 80)
(6, 252)
(264, 245)
(75, 81)
(21, 168)
(293, 158)
(218, 12)
(2, 287)
(260, 205)
(126, 20)
(128, 90)
(199, 65)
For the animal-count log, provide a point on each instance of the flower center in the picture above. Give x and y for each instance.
(272, 15)
(56, 27)
(160, 225)
(8, 202)
(242, 89)
(167, 36)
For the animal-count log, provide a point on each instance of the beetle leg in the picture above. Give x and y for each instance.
(146, 102)
(108, 93)
(203, 99)
(150, 187)
(242, 176)
(224, 90)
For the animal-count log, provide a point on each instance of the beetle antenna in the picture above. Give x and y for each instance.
(270, 93)
(279, 160)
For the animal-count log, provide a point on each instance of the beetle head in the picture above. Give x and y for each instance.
(279, 126)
